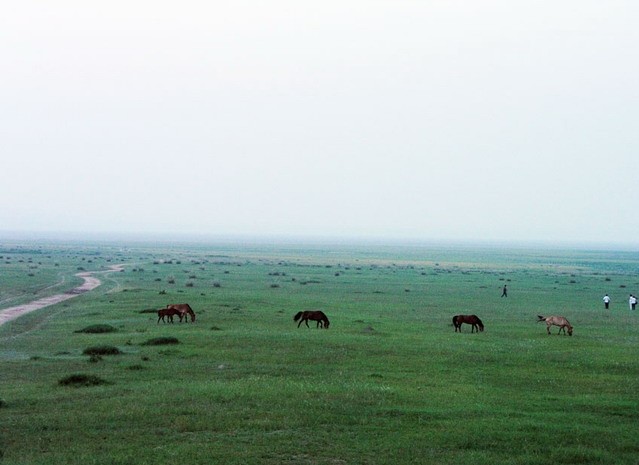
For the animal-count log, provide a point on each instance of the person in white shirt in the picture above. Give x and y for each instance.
(632, 302)
(606, 301)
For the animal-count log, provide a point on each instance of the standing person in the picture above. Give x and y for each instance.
(632, 302)
(606, 300)
(504, 292)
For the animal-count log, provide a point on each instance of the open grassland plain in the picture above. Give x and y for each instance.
(97, 380)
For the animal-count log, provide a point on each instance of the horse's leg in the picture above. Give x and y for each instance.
(306, 321)
(298, 324)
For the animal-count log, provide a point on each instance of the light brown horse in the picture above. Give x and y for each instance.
(167, 313)
(473, 320)
(183, 310)
(315, 315)
(556, 321)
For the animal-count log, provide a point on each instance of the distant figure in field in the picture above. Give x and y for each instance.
(606, 301)
(504, 292)
(632, 302)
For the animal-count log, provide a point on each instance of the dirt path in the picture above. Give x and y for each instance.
(90, 283)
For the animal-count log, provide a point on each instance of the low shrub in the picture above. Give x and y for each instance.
(160, 341)
(81, 380)
(97, 329)
(101, 350)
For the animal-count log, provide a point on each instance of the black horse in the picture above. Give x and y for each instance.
(315, 315)
(468, 319)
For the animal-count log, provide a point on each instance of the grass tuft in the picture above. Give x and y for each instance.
(82, 380)
(160, 341)
(102, 350)
(97, 329)
(136, 367)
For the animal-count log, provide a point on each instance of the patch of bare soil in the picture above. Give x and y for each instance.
(90, 283)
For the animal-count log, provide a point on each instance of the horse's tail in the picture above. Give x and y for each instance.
(455, 320)
(541, 318)
(297, 316)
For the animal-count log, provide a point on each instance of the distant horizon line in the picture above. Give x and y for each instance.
(301, 239)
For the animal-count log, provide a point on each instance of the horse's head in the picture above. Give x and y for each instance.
(569, 330)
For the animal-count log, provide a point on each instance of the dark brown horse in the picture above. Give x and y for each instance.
(315, 315)
(468, 319)
(556, 321)
(183, 311)
(167, 313)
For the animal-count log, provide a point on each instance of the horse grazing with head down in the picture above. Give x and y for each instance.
(473, 320)
(183, 311)
(556, 321)
(167, 313)
(315, 315)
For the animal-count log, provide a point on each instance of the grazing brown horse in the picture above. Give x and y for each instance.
(183, 310)
(556, 321)
(315, 315)
(167, 313)
(468, 319)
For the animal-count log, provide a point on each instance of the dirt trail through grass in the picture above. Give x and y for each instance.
(90, 283)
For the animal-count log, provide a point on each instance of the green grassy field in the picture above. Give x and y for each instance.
(389, 383)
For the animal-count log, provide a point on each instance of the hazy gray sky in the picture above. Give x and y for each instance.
(433, 119)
